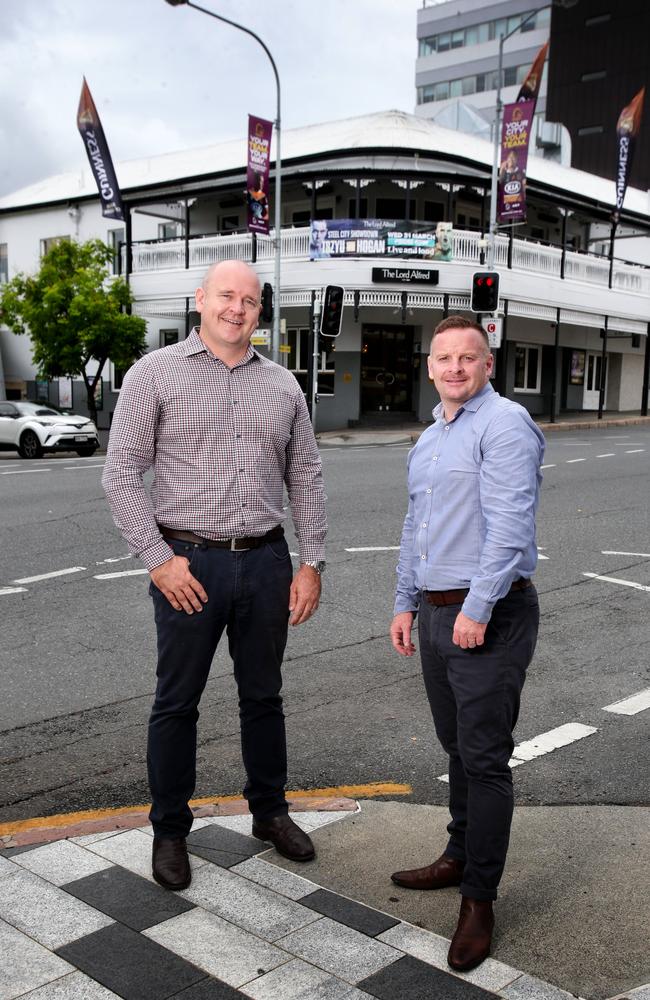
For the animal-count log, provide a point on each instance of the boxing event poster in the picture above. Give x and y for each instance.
(627, 129)
(515, 137)
(257, 174)
(99, 157)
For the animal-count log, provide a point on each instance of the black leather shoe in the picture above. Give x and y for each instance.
(170, 863)
(287, 838)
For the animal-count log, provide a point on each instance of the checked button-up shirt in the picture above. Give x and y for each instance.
(222, 443)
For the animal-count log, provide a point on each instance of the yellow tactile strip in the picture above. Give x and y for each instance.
(43, 829)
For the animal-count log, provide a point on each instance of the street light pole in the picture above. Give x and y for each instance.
(275, 341)
(494, 228)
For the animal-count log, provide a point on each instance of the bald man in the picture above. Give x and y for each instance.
(224, 430)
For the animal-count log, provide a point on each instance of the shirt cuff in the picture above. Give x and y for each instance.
(402, 604)
(156, 554)
(477, 609)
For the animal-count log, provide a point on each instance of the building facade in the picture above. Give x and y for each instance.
(571, 322)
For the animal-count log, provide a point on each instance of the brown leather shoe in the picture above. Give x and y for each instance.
(471, 942)
(170, 863)
(442, 873)
(287, 838)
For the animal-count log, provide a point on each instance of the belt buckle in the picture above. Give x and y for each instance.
(233, 546)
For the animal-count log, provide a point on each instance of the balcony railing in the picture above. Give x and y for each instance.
(518, 254)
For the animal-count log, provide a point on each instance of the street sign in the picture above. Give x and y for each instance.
(285, 348)
(493, 328)
(261, 338)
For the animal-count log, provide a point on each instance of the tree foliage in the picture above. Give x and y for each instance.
(74, 315)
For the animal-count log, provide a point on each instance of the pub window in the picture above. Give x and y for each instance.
(229, 223)
(169, 230)
(528, 368)
(4, 263)
(298, 361)
(49, 242)
(394, 208)
(301, 218)
(170, 336)
(116, 238)
(363, 208)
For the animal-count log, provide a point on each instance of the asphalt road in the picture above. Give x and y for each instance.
(78, 650)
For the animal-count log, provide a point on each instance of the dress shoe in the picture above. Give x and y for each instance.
(287, 838)
(471, 942)
(442, 873)
(170, 863)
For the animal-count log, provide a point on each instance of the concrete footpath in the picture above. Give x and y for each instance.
(80, 916)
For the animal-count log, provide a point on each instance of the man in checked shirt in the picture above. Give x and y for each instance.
(466, 560)
(224, 430)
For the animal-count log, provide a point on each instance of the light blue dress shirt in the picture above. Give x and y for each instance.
(473, 493)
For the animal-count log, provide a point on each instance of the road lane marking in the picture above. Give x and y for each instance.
(615, 579)
(607, 454)
(12, 590)
(114, 576)
(375, 548)
(50, 576)
(614, 552)
(82, 468)
(114, 559)
(539, 746)
(539, 552)
(631, 706)
(570, 461)
(368, 791)
(634, 451)
(551, 466)
(23, 472)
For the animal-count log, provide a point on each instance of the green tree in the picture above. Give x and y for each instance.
(74, 314)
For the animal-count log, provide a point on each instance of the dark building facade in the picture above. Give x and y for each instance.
(599, 61)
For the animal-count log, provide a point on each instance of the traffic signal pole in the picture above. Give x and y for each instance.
(313, 367)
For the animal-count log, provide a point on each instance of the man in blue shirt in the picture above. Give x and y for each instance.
(467, 556)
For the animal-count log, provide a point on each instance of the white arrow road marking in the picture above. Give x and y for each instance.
(570, 461)
(545, 743)
(634, 451)
(631, 706)
(551, 466)
(607, 454)
(615, 579)
(50, 576)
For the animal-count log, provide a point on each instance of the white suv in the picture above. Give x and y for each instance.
(32, 428)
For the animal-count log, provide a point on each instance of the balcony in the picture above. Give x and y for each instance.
(532, 272)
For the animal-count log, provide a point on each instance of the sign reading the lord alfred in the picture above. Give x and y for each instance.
(405, 276)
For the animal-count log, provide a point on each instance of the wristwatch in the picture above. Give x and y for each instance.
(318, 566)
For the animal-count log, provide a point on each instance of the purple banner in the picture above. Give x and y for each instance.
(515, 136)
(257, 176)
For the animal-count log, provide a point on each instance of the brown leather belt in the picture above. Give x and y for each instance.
(440, 598)
(234, 544)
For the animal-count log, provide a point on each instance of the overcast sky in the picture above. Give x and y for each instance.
(166, 78)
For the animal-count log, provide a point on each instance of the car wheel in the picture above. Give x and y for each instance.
(86, 452)
(30, 446)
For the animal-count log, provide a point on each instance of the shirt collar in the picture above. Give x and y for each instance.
(194, 345)
(473, 404)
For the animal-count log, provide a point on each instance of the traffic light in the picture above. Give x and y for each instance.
(267, 302)
(332, 314)
(485, 292)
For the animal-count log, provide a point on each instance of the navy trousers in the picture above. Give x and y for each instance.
(248, 596)
(474, 696)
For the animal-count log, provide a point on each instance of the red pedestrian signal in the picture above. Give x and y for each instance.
(485, 292)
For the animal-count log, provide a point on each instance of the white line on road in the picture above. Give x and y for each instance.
(613, 552)
(114, 559)
(634, 451)
(607, 454)
(614, 579)
(82, 468)
(23, 472)
(12, 590)
(551, 466)
(545, 743)
(375, 548)
(631, 706)
(570, 461)
(114, 576)
(50, 576)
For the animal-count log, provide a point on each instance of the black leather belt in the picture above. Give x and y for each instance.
(234, 544)
(440, 598)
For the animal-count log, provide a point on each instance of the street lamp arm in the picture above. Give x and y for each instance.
(220, 17)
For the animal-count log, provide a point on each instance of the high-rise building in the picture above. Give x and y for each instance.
(457, 64)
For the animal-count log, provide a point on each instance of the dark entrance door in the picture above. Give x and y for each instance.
(386, 369)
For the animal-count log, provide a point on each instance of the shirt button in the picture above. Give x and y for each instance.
(428, 491)
(447, 427)
(435, 458)
(424, 524)
(422, 557)
(238, 435)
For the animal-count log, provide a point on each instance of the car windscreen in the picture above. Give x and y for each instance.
(34, 410)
